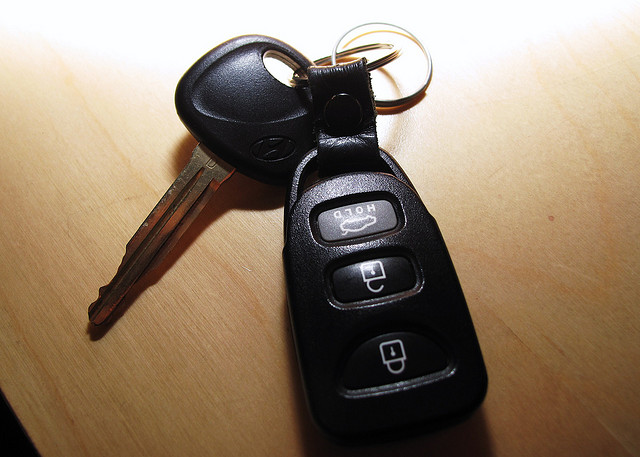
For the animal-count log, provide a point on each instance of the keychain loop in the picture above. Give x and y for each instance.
(382, 61)
(301, 77)
(382, 27)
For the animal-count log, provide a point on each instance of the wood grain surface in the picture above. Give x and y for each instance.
(526, 150)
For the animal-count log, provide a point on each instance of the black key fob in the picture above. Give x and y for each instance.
(384, 339)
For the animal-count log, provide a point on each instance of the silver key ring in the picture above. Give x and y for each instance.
(382, 27)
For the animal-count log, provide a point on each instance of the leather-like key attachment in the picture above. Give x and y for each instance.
(344, 118)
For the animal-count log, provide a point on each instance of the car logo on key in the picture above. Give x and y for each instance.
(273, 148)
(357, 224)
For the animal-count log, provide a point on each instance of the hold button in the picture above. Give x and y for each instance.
(391, 358)
(357, 220)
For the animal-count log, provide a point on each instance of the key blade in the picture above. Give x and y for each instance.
(173, 214)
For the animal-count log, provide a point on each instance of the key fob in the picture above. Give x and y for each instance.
(383, 335)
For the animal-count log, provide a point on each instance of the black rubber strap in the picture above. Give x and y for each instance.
(344, 118)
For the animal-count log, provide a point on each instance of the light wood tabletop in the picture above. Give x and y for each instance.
(526, 150)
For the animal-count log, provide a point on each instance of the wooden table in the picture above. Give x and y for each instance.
(526, 150)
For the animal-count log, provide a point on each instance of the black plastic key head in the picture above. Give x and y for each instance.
(231, 103)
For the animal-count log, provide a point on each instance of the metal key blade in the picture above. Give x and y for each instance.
(184, 200)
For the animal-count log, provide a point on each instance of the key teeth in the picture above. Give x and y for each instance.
(98, 314)
(161, 229)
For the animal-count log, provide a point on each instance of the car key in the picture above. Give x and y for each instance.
(235, 107)
(384, 338)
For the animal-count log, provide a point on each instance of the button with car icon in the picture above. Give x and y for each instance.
(357, 220)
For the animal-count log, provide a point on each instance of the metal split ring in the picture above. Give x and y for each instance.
(300, 77)
(381, 27)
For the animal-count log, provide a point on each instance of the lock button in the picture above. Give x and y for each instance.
(373, 278)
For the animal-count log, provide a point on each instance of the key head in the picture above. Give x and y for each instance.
(231, 103)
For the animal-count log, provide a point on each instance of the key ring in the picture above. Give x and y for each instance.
(382, 27)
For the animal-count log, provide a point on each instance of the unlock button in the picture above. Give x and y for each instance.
(391, 358)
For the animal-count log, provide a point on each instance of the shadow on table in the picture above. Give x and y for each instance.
(13, 438)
